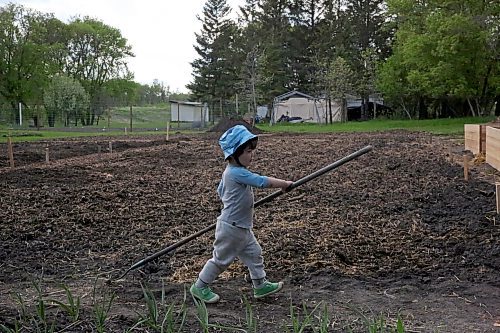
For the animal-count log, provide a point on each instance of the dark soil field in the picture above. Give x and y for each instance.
(397, 232)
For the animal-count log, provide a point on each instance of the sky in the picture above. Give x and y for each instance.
(161, 32)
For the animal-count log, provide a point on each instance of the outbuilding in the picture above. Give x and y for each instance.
(190, 112)
(296, 106)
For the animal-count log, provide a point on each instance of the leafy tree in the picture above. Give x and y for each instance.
(97, 53)
(250, 56)
(28, 54)
(337, 80)
(66, 98)
(448, 53)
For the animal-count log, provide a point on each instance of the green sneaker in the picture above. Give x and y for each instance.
(205, 295)
(268, 289)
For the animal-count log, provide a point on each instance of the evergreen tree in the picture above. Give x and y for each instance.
(215, 70)
(365, 20)
(276, 63)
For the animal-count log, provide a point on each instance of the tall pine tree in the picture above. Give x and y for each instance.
(214, 71)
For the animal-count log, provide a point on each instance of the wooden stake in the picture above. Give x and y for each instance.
(466, 167)
(168, 128)
(11, 152)
(110, 146)
(47, 157)
(99, 149)
(497, 187)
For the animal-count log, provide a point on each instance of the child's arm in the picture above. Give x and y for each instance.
(279, 183)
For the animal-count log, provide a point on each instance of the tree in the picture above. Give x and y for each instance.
(65, 98)
(27, 54)
(214, 71)
(337, 80)
(276, 62)
(97, 53)
(449, 50)
(365, 19)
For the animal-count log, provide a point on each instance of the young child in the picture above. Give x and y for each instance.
(234, 237)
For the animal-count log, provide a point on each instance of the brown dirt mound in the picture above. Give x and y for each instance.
(226, 124)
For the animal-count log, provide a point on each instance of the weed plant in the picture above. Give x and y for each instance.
(101, 304)
(72, 305)
(41, 315)
(160, 316)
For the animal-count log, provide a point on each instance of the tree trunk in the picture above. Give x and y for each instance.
(422, 109)
(343, 110)
(364, 108)
(130, 118)
(330, 109)
(51, 119)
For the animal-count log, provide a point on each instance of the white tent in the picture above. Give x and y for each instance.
(300, 107)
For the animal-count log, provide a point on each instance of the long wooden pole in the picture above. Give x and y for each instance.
(262, 201)
(47, 156)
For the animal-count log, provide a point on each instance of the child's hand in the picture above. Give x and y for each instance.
(286, 188)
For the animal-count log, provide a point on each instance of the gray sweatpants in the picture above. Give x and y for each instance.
(232, 242)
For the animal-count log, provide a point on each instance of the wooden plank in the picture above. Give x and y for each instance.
(466, 167)
(482, 138)
(497, 188)
(472, 138)
(493, 147)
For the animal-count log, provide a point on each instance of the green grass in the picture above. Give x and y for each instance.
(29, 136)
(142, 117)
(154, 117)
(452, 126)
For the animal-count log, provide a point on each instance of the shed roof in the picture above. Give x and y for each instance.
(293, 93)
(187, 103)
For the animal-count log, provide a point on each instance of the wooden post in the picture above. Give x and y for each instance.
(99, 149)
(466, 167)
(168, 128)
(130, 117)
(47, 157)
(11, 152)
(110, 146)
(497, 187)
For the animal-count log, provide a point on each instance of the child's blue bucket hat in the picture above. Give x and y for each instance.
(234, 138)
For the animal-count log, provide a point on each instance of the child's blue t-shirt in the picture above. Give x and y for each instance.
(236, 192)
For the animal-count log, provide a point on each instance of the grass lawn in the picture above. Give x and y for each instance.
(151, 119)
(451, 126)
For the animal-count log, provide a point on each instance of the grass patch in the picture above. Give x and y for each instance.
(144, 117)
(450, 126)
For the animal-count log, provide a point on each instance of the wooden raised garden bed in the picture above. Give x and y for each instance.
(492, 147)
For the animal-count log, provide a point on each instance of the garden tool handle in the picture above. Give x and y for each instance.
(262, 201)
(314, 175)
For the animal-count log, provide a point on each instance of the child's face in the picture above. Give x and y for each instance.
(246, 157)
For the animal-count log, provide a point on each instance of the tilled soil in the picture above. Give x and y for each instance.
(396, 232)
